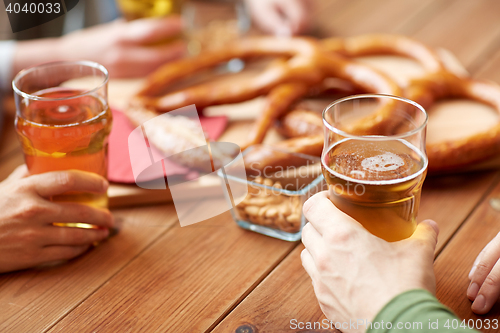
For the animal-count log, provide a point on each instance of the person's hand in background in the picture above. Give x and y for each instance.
(484, 288)
(281, 17)
(354, 273)
(126, 49)
(27, 236)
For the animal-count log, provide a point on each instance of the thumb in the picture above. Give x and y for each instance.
(151, 30)
(427, 231)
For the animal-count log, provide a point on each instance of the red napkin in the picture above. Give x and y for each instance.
(119, 167)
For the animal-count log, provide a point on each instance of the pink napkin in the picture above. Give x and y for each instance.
(119, 168)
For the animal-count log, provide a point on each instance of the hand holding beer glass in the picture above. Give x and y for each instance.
(376, 176)
(63, 125)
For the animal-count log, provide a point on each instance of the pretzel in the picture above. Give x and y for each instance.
(383, 44)
(361, 76)
(301, 122)
(331, 65)
(303, 67)
(458, 153)
(300, 67)
(277, 103)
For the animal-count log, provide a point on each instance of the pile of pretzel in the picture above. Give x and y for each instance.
(301, 68)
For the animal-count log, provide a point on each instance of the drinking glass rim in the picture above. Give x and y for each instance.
(87, 63)
(371, 137)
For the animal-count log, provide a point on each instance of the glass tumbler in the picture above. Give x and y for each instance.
(374, 161)
(63, 122)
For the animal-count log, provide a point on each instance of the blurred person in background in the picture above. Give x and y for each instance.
(27, 235)
(124, 48)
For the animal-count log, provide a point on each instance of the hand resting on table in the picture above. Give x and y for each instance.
(27, 236)
(484, 288)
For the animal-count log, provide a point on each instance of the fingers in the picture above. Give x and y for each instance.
(141, 60)
(148, 31)
(324, 216)
(312, 240)
(268, 17)
(427, 231)
(282, 17)
(485, 278)
(78, 213)
(480, 256)
(61, 252)
(295, 16)
(73, 236)
(59, 182)
(488, 293)
(308, 264)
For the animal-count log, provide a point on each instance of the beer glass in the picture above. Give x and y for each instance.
(63, 122)
(136, 9)
(214, 23)
(375, 166)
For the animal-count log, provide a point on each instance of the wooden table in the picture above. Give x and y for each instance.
(215, 277)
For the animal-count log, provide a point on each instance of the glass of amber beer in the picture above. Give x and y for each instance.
(63, 121)
(374, 161)
(136, 9)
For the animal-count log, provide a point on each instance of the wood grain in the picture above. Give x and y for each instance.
(284, 296)
(186, 282)
(454, 263)
(368, 16)
(157, 276)
(443, 199)
(34, 300)
(449, 200)
(466, 28)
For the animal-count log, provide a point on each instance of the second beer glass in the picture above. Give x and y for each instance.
(375, 173)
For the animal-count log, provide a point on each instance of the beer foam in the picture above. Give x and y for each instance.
(384, 162)
(374, 161)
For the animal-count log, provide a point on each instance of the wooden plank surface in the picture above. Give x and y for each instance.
(349, 18)
(284, 296)
(157, 276)
(466, 28)
(454, 263)
(186, 282)
(449, 200)
(34, 300)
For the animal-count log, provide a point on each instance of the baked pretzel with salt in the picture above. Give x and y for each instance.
(451, 154)
(300, 66)
(363, 77)
(386, 44)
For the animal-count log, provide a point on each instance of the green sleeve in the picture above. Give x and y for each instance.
(417, 311)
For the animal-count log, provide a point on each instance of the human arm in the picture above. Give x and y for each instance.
(355, 275)
(281, 17)
(417, 311)
(126, 49)
(27, 236)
